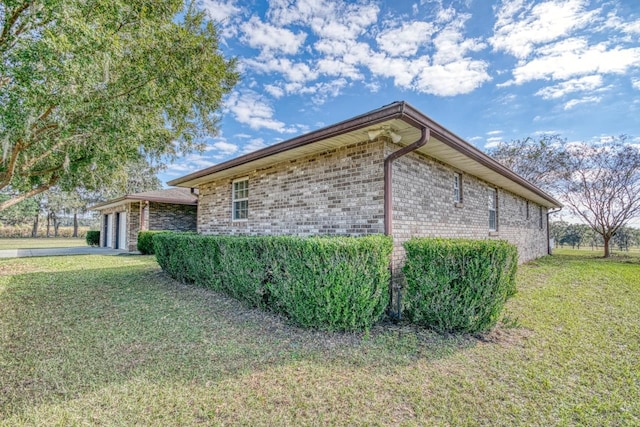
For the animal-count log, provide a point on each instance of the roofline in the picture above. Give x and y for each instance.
(140, 198)
(397, 110)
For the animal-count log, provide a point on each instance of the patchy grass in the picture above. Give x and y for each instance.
(42, 242)
(112, 340)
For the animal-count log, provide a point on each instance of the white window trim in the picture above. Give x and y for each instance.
(234, 200)
(457, 185)
(494, 208)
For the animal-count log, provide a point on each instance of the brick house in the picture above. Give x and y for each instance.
(392, 171)
(122, 218)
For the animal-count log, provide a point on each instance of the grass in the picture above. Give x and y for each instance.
(42, 242)
(111, 340)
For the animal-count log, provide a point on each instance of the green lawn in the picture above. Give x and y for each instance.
(42, 242)
(105, 340)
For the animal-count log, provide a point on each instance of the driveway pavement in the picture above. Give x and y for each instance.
(81, 250)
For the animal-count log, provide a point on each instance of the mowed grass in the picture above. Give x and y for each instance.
(42, 242)
(98, 340)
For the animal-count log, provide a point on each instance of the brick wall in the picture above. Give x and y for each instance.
(169, 216)
(341, 192)
(159, 216)
(424, 206)
(336, 192)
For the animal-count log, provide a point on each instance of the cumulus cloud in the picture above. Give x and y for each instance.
(253, 110)
(406, 39)
(223, 147)
(574, 57)
(266, 37)
(562, 89)
(635, 82)
(522, 25)
(585, 100)
(219, 10)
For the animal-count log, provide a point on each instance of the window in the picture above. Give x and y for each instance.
(527, 209)
(240, 209)
(457, 188)
(541, 225)
(493, 209)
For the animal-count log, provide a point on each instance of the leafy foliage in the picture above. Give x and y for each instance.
(145, 241)
(337, 283)
(86, 87)
(93, 237)
(458, 284)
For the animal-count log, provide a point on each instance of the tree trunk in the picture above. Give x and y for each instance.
(48, 224)
(607, 252)
(75, 224)
(36, 222)
(56, 225)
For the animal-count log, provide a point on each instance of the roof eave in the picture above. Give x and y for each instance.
(397, 110)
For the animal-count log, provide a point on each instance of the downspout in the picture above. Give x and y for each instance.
(388, 204)
(548, 231)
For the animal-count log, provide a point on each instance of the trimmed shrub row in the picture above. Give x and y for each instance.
(145, 241)
(458, 285)
(93, 237)
(337, 283)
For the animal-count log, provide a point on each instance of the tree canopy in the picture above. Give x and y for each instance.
(600, 183)
(86, 87)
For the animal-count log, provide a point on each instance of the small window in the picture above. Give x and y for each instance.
(240, 208)
(493, 209)
(541, 224)
(528, 215)
(457, 188)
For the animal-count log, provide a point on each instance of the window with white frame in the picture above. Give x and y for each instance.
(493, 209)
(541, 224)
(240, 196)
(457, 188)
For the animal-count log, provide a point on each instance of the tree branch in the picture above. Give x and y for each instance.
(17, 199)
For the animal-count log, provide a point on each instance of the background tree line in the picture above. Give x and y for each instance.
(582, 236)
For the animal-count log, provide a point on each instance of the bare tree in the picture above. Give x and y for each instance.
(604, 185)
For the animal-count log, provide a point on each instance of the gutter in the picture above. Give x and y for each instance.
(388, 207)
(548, 231)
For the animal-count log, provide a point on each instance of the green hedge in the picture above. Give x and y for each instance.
(337, 283)
(93, 237)
(145, 241)
(458, 285)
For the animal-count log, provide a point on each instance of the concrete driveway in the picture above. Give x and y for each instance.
(82, 250)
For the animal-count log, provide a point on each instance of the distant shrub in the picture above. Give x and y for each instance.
(145, 241)
(24, 231)
(458, 284)
(337, 283)
(93, 237)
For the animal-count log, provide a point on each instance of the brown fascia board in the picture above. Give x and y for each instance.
(144, 199)
(398, 110)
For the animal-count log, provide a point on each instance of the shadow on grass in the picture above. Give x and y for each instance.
(72, 332)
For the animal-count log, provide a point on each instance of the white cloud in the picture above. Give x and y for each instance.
(574, 57)
(493, 142)
(586, 100)
(522, 25)
(251, 109)
(635, 82)
(494, 132)
(219, 11)
(275, 91)
(581, 84)
(253, 145)
(223, 147)
(406, 39)
(292, 71)
(266, 37)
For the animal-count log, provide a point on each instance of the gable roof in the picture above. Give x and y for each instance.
(405, 121)
(176, 196)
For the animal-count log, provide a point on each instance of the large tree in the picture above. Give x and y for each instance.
(600, 183)
(604, 185)
(541, 160)
(88, 85)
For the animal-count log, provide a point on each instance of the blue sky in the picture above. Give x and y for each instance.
(486, 70)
